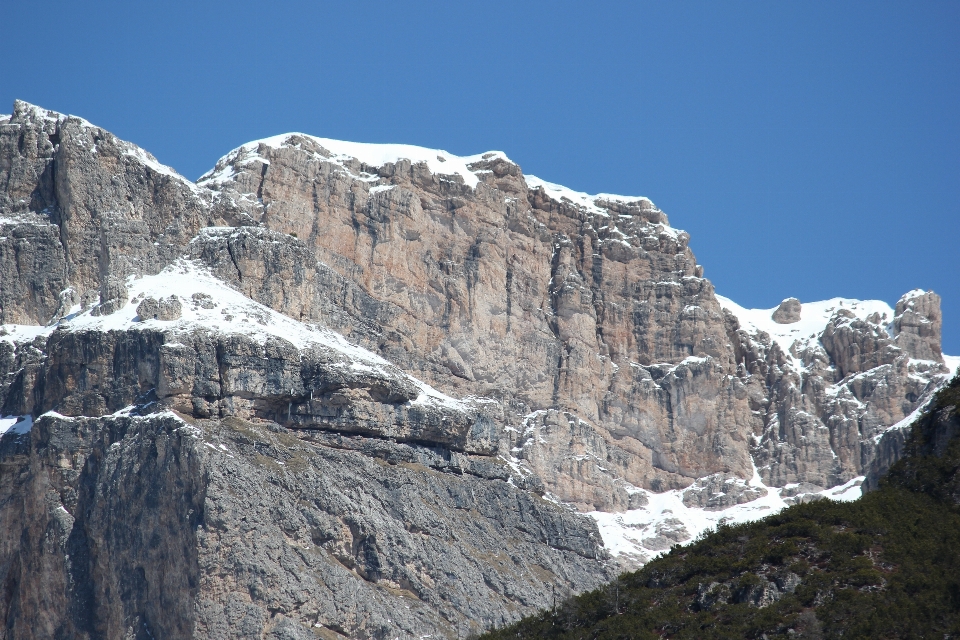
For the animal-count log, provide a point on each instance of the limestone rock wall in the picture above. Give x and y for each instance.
(140, 527)
(298, 486)
(595, 309)
(827, 399)
(85, 210)
(502, 290)
(918, 324)
(100, 523)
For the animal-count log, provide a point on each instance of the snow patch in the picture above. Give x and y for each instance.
(21, 333)
(438, 161)
(953, 364)
(814, 317)
(230, 313)
(913, 293)
(640, 535)
(16, 424)
(559, 193)
(233, 313)
(381, 188)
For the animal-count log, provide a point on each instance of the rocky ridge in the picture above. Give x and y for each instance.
(328, 301)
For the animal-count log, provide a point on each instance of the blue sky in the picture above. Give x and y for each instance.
(811, 149)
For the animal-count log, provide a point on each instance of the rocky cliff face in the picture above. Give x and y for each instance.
(835, 380)
(139, 527)
(493, 283)
(328, 387)
(488, 283)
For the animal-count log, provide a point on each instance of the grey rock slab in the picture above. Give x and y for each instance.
(232, 529)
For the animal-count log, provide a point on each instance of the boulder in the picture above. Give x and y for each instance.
(166, 309)
(788, 312)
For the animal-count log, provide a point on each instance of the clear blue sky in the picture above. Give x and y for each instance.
(811, 149)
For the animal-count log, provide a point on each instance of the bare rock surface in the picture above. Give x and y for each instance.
(153, 527)
(588, 305)
(917, 325)
(163, 309)
(788, 312)
(829, 386)
(720, 491)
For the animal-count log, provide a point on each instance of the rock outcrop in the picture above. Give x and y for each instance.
(788, 312)
(362, 389)
(831, 388)
(617, 329)
(917, 325)
(720, 491)
(168, 308)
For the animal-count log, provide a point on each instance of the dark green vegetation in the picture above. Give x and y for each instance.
(885, 566)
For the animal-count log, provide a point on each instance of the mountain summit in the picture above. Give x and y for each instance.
(384, 391)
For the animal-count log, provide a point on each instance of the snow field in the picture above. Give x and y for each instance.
(624, 534)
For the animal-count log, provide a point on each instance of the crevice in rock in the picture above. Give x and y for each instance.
(471, 267)
(263, 177)
(509, 295)
(552, 319)
(233, 260)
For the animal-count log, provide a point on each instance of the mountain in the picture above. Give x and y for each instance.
(885, 566)
(385, 391)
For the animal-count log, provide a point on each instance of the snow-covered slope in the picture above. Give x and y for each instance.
(16, 424)
(207, 304)
(814, 317)
(342, 152)
(637, 536)
(559, 193)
